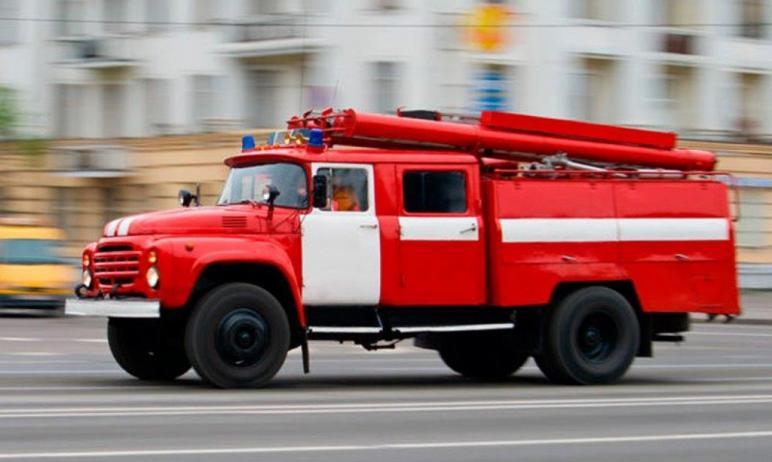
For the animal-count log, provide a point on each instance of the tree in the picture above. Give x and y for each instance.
(7, 112)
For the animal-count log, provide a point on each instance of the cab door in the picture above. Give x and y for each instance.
(441, 249)
(341, 249)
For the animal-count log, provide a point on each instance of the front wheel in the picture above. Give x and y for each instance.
(237, 336)
(592, 337)
(143, 350)
(482, 356)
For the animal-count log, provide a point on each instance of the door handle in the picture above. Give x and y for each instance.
(369, 226)
(469, 229)
(681, 257)
(568, 258)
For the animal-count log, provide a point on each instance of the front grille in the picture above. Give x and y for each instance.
(116, 265)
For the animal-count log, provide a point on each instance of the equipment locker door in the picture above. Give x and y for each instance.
(441, 251)
(341, 242)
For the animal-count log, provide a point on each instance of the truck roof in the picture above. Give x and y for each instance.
(350, 156)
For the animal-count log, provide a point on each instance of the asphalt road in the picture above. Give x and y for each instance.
(62, 397)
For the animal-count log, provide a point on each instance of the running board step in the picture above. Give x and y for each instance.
(409, 329)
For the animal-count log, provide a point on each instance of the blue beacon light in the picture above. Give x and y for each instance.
(247, 143)
(316, 139)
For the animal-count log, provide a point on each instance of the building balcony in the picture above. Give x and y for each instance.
(90, 161)
(97, 52)
(274, 35)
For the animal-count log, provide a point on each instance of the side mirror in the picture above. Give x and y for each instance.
(186, 197)
(270, 193)
(320, 191)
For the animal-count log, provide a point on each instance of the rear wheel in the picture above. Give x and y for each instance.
(237, 336)
(482, 356)
(592, 337)
(143, 350)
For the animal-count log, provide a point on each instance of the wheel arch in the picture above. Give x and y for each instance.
(269, 276)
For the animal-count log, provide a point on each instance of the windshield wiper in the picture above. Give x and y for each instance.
(251, 202)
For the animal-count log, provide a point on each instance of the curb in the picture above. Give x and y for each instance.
(741, 321)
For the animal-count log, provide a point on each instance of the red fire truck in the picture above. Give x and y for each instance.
(490, 240)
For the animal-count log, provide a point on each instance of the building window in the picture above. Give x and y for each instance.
(677, 13)
(204, 11)
(204, 101)
(116, 15)
(70, 16)
(158, 15)
(673, 95)
(68, 110)
(9, 30)
(157, 105)
(114, 110)
(750, 228)
(600, 10)
(752, 19)
(387, 4)
(264, 7)
(581, 95)
(386, 92)
(263, 103)
(434, 192)
(593, 91)
(63, 207)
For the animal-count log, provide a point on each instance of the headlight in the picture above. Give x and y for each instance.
(152, 277)
(86, 278)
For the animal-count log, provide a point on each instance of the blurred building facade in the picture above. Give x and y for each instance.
(137, 97)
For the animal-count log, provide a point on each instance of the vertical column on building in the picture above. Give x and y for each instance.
(717, 91)
(636, 72)
(547, 74)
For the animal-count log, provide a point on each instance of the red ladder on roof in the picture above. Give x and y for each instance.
(511, 136)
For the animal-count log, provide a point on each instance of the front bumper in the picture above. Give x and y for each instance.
(113, 308)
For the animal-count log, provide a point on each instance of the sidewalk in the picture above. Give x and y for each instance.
(756, 309)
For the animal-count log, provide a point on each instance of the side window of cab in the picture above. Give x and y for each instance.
(347, 189)
(427, 191)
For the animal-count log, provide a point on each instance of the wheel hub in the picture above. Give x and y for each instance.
(597, 337)
(241, 338)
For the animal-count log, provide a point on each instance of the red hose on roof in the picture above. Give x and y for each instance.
(508, 135)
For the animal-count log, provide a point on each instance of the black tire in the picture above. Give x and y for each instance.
(592, 337)
(482, 356)
(237, 336)
(141, 348)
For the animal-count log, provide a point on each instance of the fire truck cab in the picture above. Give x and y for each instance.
(490, 241)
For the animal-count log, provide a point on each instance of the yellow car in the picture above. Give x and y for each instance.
(32, 274)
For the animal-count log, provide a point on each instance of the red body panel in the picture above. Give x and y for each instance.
(527, 273)
(442, 272)
(669, 275)
(704, 279)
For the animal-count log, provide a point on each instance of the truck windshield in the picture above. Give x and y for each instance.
(29, 252)
(247, 184)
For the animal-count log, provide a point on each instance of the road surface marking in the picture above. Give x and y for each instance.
(440, 406)
(35, 353)
(728, 334)
(393, 446)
